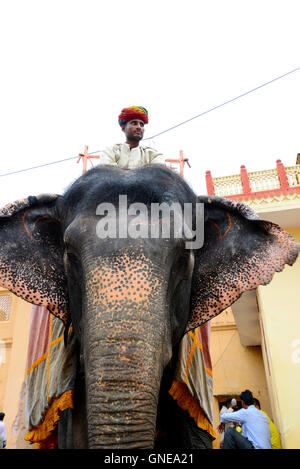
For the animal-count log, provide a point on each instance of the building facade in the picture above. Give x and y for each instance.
(14, 328)
(256, 343)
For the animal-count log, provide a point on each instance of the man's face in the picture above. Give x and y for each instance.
(134, 130)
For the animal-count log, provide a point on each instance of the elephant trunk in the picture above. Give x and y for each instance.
(123, 377)
(126, 347)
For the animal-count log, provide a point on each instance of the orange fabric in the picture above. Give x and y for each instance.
(45, 355)
(180, 393)
(45, 434)
(199, 334)
(189, 360)
(49, 443)
(192, 351)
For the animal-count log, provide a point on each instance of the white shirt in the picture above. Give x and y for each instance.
(130, 158)
(3, 436)
(255, 426)
(226, 410)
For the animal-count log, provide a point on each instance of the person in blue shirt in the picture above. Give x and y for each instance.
(255, 426)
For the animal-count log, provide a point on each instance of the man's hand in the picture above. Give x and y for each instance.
(221, 427)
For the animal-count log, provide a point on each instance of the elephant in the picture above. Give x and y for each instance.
(131, 299)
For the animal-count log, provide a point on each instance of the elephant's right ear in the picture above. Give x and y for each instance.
(240, 252)
(31, 253)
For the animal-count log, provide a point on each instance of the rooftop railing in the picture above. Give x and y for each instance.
(255, 184)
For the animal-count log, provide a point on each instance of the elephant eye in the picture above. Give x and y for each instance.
(184, 263)
(72, 257)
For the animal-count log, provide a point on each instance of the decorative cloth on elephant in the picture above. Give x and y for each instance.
(51, 371)
(133, 112)
(192, 387)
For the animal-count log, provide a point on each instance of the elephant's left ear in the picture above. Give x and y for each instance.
(240, 252)
(31, 253)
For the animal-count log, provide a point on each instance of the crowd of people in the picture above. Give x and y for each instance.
(248, 427)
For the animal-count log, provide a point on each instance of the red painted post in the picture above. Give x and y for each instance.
(245, 180)
(209, 183)
(284, 184)
(85, 157)
(181, 163)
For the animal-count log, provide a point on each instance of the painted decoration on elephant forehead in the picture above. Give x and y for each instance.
(131, 277)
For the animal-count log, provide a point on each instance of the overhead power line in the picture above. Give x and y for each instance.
(223, 104)
(45, 164)
(170, 128)
(39, 166)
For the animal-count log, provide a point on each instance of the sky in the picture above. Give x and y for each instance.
(69, 67)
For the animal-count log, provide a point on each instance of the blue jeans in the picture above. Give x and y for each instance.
(234, 440)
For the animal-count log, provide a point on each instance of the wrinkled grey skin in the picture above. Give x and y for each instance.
(130, 300)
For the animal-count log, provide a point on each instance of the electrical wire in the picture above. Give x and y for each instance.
(45, 164)
(39, 166)
(224, 350)
(170, 128)
(223, 104)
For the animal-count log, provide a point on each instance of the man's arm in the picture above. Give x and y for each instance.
(221, 427)
(108, 156)
(238, 416)
(156, 157)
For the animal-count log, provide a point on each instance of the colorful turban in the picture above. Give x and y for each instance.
(131, 113)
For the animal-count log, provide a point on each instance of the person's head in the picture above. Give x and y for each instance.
(246, 398)
(233, 403)
(256, 403)
(228, 403)
(2, 415)
(132, 121)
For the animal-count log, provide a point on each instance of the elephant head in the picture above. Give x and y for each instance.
(131, 299)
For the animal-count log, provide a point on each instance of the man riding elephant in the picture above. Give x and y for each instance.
(188, 398)
(131, 155)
